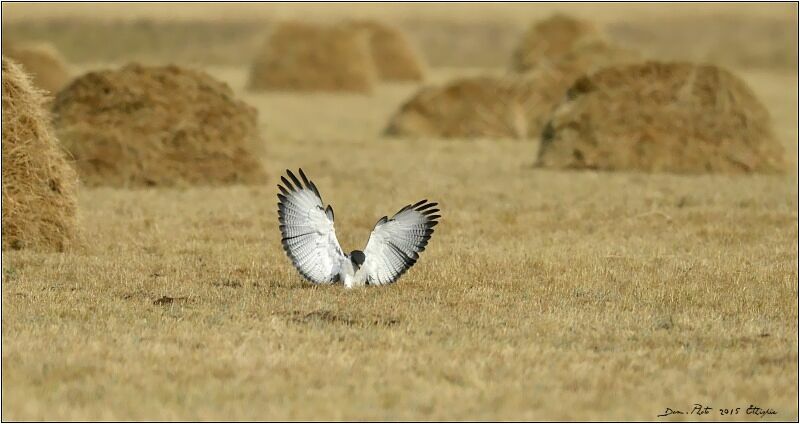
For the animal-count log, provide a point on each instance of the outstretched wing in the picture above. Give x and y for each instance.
(395, 243)
(307, 230)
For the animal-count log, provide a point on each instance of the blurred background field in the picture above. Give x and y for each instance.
(545, 293)
(469, 35)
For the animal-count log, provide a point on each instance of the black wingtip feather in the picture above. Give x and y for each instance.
(383, 220)
(314, 189)
(329, 213)
(304, 178)
(294, 184)
(422, 206)
(297, 182)
(287, 183)
(421, 202)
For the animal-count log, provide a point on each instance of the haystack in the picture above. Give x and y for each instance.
(675, 117)
(394, 57)
(144, 126)
(587, 58)
(309, 57)
(548, 41)
(39, 199)
(42, 62)
(477, 107)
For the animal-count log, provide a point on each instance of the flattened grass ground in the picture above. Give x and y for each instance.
(543, 294)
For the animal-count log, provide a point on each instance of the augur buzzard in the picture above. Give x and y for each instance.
(309, 239)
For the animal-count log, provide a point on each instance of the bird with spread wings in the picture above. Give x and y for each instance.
(309, 239)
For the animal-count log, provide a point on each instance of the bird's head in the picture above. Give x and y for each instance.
(357, 258)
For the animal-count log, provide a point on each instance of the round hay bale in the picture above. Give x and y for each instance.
(392, 53)
(39, 186)
(548, 40)
(674, 117)
(485, 106)
(164, 126)
(307, 57)
(42, 62)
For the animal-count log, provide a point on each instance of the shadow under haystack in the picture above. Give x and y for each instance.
(39, 186)
(310, 57)
(45, 65)
(158, 126)
(673, 117)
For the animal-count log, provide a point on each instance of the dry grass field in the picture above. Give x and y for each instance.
(543, 294)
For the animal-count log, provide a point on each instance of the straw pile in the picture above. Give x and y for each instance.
(39, 186)
(394, 57)
(674, 117)
(308, 57)
(480, 107)
(42, 62)
(145, 126)
(547, 41)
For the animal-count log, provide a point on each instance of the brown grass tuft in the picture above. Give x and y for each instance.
(395, 59)
(309, 57)
(48, 69)
(39, 200)
(675, 117)
(484, 106)
(140, 126)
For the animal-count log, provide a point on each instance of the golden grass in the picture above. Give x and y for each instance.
(542, 295)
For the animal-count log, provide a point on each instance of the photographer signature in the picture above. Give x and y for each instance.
(699, 409)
